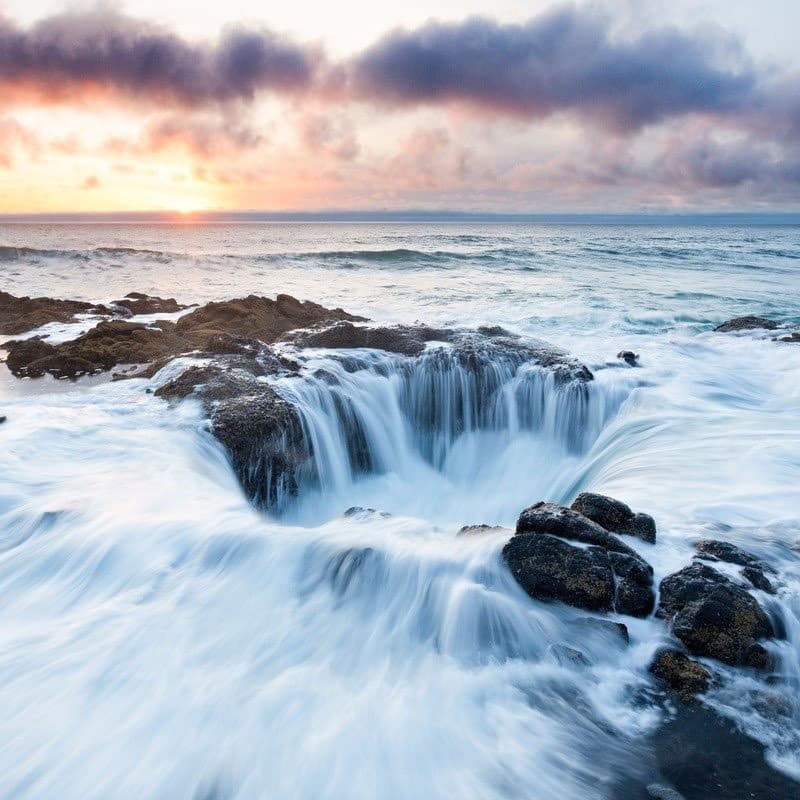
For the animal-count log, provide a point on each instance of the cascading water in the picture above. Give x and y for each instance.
(420, 435)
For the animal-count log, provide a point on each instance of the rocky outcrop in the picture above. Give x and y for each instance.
(748, 323)
(680, 672)
(615, 516)
(715, 617)
(234, 326)
(602, 575)
(21, 314)
(137, 303)
(754, 570)
(261, 431)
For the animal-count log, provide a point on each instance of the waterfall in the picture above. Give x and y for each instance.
(445, 416)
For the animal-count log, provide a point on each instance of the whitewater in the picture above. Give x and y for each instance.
(164, 637)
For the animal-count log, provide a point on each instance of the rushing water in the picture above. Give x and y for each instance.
(162, 638)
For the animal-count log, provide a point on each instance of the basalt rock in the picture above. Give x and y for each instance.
(747, 323)
(257, 318)
(615, 516)
(713, 616)
(603, 575)
(236, 326)
(261, 431)
(680, 672)
(21, 314)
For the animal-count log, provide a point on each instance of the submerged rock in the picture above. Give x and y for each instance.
(21, 314)
(479, 530)
(687, 677)
(629, 357)
(615, 516)
(607, 575)
(747, 323)
(713, 616)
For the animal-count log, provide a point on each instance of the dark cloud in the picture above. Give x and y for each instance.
(106, 51)
(564, 60)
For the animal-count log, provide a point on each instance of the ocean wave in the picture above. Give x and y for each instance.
(10, 253)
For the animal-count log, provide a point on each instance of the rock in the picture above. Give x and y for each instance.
(705, 757)
(236, 326)
(21, 314)
(257, 318)
(138, 303)
(407, 340)
(716, 550)
(715, 617)
(629, 357)
(747, 323)
(615, 516)
(261, 431)
(607, 575)
(3, 418)
(793, 337)
(687, 677)
(757, 578)
(590, 626)
(479, 530)
(549, 569)
(568, 656)
(659, 792)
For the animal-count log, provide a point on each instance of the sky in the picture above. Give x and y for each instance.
(508, 106)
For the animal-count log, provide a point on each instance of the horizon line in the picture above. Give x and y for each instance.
(406, 215)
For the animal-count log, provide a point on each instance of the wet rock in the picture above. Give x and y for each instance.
(138, 303)
(716, 550)
(606, 575)
(3, 418)
(659, 792)
(257, 318)
(568, 656)
(407, 340)
(21, 314)
(680, 672)
(234, 327)
(757, 579)
(261, 431)
(615, 516)
(705, 756)
(549, 569)
(592, 626)
(629, 357)
(747, 323)
(715, 617)
(479, 530)
(793, 337)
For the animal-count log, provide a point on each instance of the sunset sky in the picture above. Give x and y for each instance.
(503, 106)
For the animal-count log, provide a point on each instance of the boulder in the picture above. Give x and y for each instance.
(715, 617)
(604, 574)
(615, 516)
(21, 314)
(793, 337)
(138, 303)
(747, 323)
(262, 432)
(478, 530)
(757, 579)
(629, 357)
(680, 672)
(716, 550)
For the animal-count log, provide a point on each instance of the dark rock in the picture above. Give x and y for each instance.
(257, 318)
(235, 327)
(659, 792)
(615, 516)
(757, 578)
(566, 655)
(748, 323)
(793, 337)
(629, 357)
(706, 757)
(687, 677)
(619, 578)
(715, 617)
(478, 530)
(592, 626)
(21, 314)
(138, 303)
(716, 550)
(549, 569)
(261, 431)
(3, 418)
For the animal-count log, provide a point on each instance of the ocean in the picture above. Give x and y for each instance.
(163, 638)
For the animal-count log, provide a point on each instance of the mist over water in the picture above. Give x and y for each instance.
(164, 638)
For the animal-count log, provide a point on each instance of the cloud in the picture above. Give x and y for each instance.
(321, 133)
(14, 138)
(106, 51)
(566, 60)
(91, 182)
